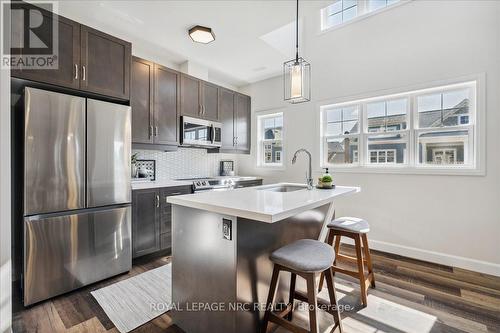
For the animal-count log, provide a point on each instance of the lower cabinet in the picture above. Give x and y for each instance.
(152, 219)
(145, 222)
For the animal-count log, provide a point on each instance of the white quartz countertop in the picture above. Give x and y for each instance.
(258, 203)
(142, 185)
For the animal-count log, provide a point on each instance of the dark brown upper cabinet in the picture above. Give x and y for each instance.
(155, 103)
(166, 105)
(210, 101)
(67, 72)
(105, 64)
(199, 99)
(242, 121)
(88, 59)
(236, 121)
(226, 111)
(190, 96)
(141, 100)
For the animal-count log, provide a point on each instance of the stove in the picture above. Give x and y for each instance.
(210, 184)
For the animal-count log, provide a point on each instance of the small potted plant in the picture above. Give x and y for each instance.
(325, 181)
(133, 168)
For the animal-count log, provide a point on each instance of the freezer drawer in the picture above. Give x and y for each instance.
(54, 152)
(108, 153)
(62, 253)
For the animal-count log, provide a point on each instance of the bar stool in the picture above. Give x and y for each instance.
(356, 229)
(306, 258)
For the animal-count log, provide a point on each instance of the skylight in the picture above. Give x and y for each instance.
(342, 11)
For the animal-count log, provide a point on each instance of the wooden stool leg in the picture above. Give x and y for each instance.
(333, 299)
(322, 276)
(270, 298)
(337, 251)
(291, 297)
(368, 258)
(361, 269)
(313, 303)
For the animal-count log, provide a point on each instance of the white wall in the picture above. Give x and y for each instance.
(452, 220)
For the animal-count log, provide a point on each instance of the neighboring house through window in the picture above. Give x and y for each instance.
(270, 134)
(432, 127)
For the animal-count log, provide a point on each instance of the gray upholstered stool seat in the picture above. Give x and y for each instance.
(352, 224)
(305, 255)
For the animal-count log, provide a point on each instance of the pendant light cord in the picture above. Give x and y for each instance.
(297, 34)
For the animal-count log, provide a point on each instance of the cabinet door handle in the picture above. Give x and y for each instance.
(156, 130)
(76, 71)
(199, 109)
(84, 73)
(150, 131)
(157, 201)
(203, 109)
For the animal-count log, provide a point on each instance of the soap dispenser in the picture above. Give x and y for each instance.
(325, 181)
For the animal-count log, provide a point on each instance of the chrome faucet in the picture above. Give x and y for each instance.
(309, 175)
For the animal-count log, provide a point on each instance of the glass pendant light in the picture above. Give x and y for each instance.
(297, 74)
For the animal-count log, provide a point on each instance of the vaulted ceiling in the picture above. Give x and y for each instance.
(253, 38)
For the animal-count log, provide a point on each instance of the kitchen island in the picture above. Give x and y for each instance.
(221, 246)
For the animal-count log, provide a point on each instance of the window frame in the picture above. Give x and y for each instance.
(259, 117)
(476, 129)
(362, 13)
(357, 135)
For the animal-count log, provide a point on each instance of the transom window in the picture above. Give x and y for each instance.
(341, 11)
(428, 128)
(270, 139)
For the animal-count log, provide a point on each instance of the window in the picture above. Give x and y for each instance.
(277, 156)
(444, 134)
(428, 128)
(382, 156)
(341, 133)
(341, 11)
(270, 134)
(374, 5)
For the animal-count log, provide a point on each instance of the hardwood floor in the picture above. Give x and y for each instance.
(411, 296)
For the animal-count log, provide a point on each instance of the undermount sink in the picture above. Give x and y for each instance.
(283, 188)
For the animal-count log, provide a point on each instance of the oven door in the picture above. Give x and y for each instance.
(196, 132)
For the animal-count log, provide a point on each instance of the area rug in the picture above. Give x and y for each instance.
(132, 302)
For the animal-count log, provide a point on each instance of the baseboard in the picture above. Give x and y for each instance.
(435, 257)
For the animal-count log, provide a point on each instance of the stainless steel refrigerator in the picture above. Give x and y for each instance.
(77, 194)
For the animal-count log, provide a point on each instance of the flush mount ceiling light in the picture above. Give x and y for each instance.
(201, 34)
(297, 73)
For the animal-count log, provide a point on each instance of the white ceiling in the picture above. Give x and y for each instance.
(253, 38)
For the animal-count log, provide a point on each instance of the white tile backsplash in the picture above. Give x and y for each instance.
(185, 162)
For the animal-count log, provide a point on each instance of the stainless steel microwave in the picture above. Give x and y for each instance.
(200, 132)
